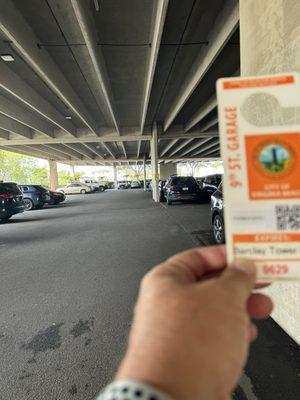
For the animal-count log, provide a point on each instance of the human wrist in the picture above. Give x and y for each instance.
(165, 377)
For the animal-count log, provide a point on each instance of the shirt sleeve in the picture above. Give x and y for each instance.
(131, 390)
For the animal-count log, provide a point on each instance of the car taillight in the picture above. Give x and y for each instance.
(173, 187)
(6, 196)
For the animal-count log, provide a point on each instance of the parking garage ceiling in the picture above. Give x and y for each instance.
(88, 80)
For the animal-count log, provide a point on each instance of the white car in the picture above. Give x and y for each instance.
(136, 185)
(73, 188)
(94, 185)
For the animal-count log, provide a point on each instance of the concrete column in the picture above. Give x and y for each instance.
(53, 176)
(167, 170)
(154, 163)
(72, 166)
(270, 43)
(145, 174)
(115, 176)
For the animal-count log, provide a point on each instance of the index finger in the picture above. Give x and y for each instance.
(192, 265)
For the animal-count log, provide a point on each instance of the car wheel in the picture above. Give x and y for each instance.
(101, 189)
(82, 191)
(28, 204)
(218, 230)
(169, 202)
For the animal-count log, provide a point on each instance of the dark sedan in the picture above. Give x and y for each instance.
(34, 196)
(181, 188)
(11, 200)
(217, 215)
(55, 197)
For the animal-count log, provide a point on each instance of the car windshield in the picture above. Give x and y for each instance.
(9, 188)
(183, 180)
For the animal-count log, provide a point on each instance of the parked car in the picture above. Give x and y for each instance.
(135, 185)
(124, 185)
(34, 196)
(11, 200)
(95, 186)
(181, 188)
(161, 185)
(209, 185)
(73, 188)
(217, 215)
(55, 197)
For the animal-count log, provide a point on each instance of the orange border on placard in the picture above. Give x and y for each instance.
(266, 238)
(258, 82)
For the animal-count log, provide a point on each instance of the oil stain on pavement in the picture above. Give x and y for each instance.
(48, 339)
(82, 327)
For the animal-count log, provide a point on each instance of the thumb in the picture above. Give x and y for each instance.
(239, 278)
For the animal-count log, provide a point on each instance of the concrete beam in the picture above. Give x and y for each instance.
(61, 150)
(83, 161)
(124, 149)
(223, 28)
(181, 146)
(193, 147)
(85, 21)
(81, 152)
(168, 146)
(14, 126)
(4, 134)
(210, 123)
(25, 117)
(107, 148)
(104, 139)
(47, 153)
(27, 152)
(201, 113)
(18, 31)
(157, 30)
(92, 150)
(193, 135)
(202, 149)
(63, 140)
(14, 85)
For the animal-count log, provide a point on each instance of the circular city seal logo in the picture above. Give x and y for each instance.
(274, 158)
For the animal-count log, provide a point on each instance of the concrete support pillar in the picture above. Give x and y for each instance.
(167, 170)
(154, 163)
(115, 176)
(144, 174)
(53, 176)
(270, 43)
(72, 166)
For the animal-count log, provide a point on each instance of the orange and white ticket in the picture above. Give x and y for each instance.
(259, 122)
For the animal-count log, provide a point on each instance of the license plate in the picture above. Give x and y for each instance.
(185, 188)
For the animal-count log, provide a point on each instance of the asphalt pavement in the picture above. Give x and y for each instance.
(69, 279)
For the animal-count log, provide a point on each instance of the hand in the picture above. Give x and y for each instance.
(192, 327)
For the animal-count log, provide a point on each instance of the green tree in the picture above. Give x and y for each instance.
(15, 167)
(65, 177)
(39, 176)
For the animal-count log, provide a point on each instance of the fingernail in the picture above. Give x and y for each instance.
(245, 265)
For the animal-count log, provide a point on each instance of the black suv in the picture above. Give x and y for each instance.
(217, 215)
(11, 200)
(34, 196)
(181, 188)
(209, 185)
